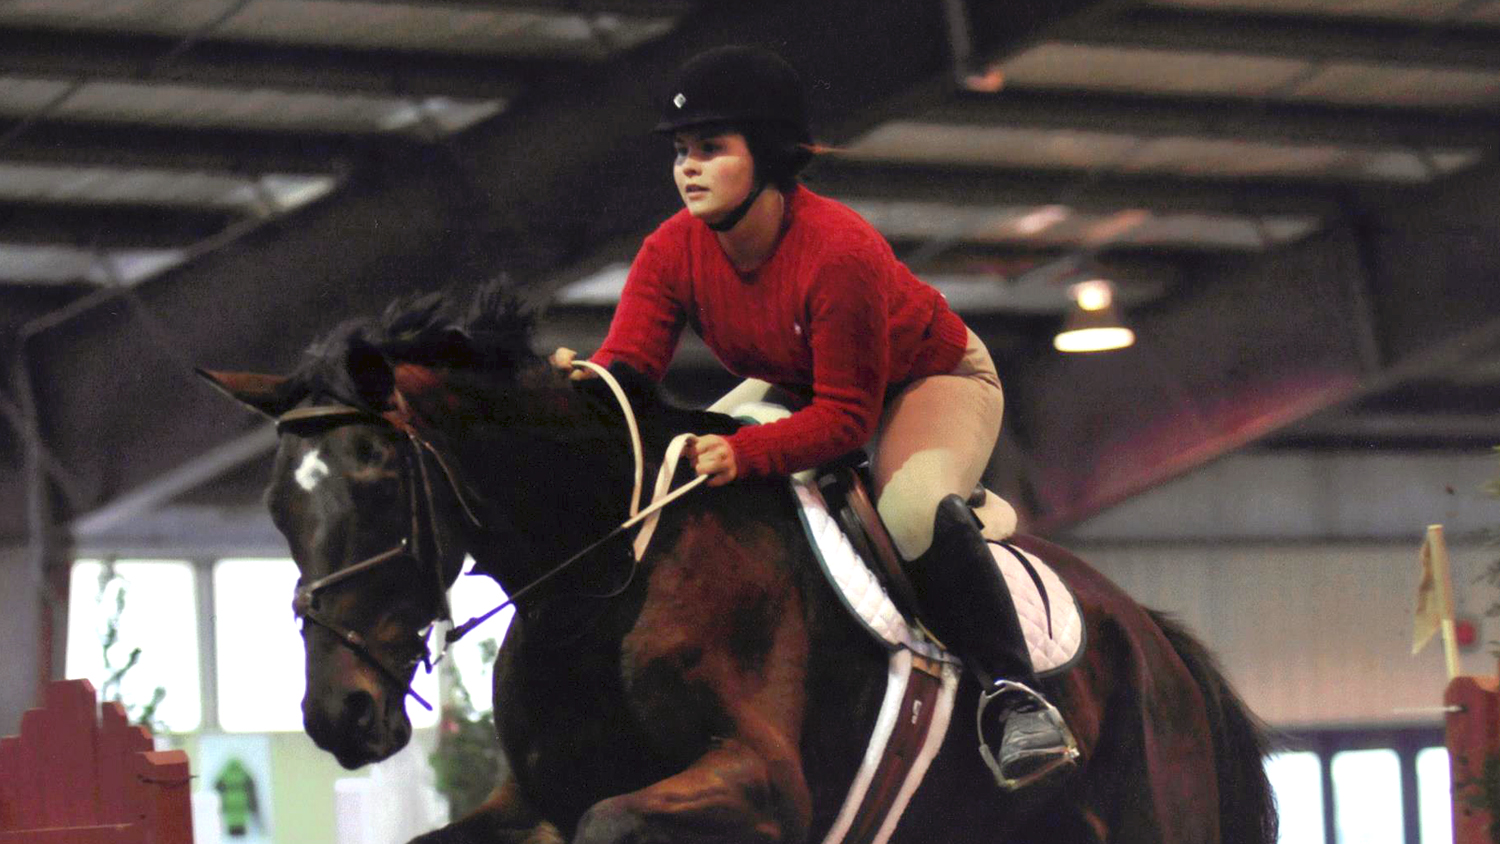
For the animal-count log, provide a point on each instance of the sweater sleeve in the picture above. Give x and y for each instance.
(649, 318)
(849, 338)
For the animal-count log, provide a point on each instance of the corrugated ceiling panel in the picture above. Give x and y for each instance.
(63, 264)
(903, 140)
(1103, 151)
(172, 104)
(438, 28)
(1367, 84)
(167, 187)
(27, 96)
(1066, 227)
(1154, 71)
(1229, 158)
(1416, 10)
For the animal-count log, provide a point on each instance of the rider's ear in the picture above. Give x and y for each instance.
(272, 395)
(370, 373)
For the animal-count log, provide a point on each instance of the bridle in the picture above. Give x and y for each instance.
(421, 521)
(422, 508)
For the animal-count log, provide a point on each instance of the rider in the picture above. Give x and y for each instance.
(790, 288)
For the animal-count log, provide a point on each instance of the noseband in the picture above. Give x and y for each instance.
(421, 520)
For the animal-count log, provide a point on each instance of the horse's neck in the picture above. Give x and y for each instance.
(556, 485)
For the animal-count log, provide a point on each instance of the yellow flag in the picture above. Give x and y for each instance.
(1429, 615)
(1435, 599)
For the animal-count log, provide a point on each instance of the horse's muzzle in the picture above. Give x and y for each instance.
(357, 728)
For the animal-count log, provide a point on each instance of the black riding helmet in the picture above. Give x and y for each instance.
(755, 92)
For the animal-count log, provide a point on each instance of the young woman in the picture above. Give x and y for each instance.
(791, 289)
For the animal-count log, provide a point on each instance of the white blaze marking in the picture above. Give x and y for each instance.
(312, 471)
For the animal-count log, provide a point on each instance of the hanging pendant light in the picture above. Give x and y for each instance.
(1092, 324)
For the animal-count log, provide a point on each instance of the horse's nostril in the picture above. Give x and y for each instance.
(359, 710)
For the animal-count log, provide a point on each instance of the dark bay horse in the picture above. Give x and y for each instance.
(715, 691)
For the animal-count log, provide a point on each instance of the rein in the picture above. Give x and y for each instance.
(661, 497)
(304, 603)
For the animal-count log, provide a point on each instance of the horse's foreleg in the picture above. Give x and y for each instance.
(731, 794)
(503, 818)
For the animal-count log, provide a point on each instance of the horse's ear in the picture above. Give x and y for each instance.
(272, 395)
(370, 374)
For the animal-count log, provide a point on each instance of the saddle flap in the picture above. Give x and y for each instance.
(1048, 611)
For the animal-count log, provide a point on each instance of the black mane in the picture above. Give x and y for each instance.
(491, 333)
(488, 336)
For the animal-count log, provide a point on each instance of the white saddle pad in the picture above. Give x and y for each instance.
(1053, 627)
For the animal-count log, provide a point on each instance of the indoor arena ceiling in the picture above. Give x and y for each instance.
(1298, 201)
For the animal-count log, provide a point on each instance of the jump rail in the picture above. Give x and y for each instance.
(79, 773)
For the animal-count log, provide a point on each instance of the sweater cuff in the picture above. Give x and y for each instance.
(751, 456)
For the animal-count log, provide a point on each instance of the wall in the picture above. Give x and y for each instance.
(1301, 572)
(18, 629)
(1311, 635)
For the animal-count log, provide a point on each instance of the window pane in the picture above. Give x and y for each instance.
(258, 649)
(1367, 797)
(1434, 798)
(150, 605)
(255, 627)
(1297, 779)
(473, 596)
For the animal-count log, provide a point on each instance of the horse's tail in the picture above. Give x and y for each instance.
(1247, 807)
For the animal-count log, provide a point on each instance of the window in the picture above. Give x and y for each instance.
(254, 626)
(133, 632)
(1297, 779)
(258, 652)
(1367, 797)
(1376, 785)
(1434, 796)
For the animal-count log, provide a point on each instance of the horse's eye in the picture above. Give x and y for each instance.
(365, 451)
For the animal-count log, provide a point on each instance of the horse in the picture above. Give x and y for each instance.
(714, 690)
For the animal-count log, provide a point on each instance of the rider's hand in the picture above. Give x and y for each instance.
(562, 360)
(712, 456)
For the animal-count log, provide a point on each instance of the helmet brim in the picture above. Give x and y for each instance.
(667, 127)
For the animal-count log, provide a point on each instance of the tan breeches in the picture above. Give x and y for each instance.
(934, 440)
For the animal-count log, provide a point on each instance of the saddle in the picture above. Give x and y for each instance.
(884, 600)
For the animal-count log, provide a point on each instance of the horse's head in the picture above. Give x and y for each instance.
(373, 519)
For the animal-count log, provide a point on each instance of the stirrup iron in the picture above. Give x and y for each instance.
(1039, 707)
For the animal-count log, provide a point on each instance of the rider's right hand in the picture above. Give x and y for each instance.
(562, 360)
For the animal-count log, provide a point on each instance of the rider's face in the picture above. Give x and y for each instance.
(713, 170)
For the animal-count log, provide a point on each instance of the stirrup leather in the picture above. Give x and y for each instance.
(1065, 757)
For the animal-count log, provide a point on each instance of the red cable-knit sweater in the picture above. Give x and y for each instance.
(831, 310)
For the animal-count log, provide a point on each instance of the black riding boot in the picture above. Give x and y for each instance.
(963, 598)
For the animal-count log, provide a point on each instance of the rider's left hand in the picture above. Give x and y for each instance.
(712, 455)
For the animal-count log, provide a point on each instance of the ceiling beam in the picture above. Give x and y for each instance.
(989, 186)
(108, 226)
(174, 148)
(1320, 38)
(1203, 117)
(627, 8)
(72, 55)
(1401, 292)
(571, 167)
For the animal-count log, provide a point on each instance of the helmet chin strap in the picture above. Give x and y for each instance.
(732, 219)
